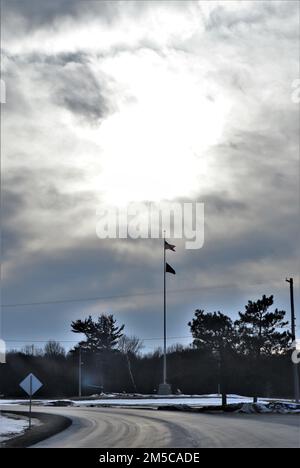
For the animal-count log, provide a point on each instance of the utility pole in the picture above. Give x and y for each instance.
(293, 330)
(79, 372)
(165, 320)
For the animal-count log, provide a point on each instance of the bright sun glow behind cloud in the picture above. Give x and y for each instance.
(153, 147)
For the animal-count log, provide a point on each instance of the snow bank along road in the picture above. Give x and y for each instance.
(146, 428)
(11, 426)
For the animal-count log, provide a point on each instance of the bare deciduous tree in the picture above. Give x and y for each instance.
(53, 349)
(130, 345)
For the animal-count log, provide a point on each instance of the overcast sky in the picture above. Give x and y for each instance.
(146, 101)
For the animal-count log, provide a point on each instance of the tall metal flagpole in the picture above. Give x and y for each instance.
(165, 316)
(164, 387)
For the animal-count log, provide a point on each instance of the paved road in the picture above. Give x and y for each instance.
(127, 427)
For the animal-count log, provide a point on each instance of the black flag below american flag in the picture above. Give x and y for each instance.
(169, 269)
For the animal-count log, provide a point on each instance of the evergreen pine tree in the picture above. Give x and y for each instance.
(260, 330)
(101, 335)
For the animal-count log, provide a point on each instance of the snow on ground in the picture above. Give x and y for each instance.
(144, 400)
(205, 400)
(12, 402)
(11, 427)
(151, 401)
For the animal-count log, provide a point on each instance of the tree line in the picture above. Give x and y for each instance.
(249, 356)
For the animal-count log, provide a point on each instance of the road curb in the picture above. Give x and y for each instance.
(51, 424)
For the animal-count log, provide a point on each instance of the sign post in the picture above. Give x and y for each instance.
(30, 385)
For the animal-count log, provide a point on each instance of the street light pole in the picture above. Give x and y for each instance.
(293, 330)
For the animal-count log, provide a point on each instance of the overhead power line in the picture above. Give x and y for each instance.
(157, 338)
(123, 296)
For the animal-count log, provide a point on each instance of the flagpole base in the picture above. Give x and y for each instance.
(164, 389)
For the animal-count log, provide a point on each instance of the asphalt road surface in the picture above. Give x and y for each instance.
(123, 427)
(146, 428)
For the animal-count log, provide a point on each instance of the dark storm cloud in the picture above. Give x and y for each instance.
(221, 203)
(90, 268)
(221, 18)
(257, 230)
(70, 79)
(28, 195)
(256, 245)
(40, 13)
(230, 20)
(30, 183)
(11, 206)
(55, 60)
(76, 89)
(36, 14)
